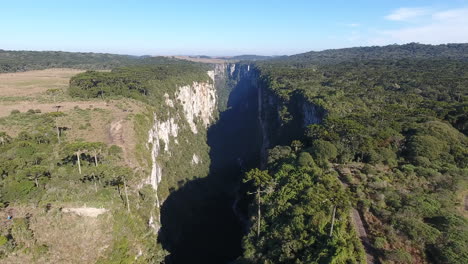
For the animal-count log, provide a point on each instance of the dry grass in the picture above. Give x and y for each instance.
(69, 238)
(23, 106)
(32, 83)
(92, 120)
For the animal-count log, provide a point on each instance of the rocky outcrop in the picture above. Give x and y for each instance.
(198, 102)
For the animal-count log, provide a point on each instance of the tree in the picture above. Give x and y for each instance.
(76, 149)
(324, 150)
(296, 145)
(120, 176)
(305, 161)
(54, 93)
(93, 150)
(96, 149)
(56, 115)
(425, 146)
(37, 171)
(260, 179)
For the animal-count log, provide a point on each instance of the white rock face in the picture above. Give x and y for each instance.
(211, 74)
(232, 69)
(168, 101)
(199, 102)
(195, 159)
(153, 224)
(160, 132)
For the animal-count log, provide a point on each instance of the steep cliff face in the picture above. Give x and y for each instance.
(199, 224)
(190, 109)
(280, 120)
(284, 119)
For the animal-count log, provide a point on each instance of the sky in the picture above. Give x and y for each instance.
(226, 28)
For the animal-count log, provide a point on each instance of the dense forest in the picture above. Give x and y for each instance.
(390, 52)
(146, 83)
(394, 134)
(18, 61)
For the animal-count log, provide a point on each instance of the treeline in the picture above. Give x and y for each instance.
(395, 132)
(146, 83)
(18, 61)
(390, 52)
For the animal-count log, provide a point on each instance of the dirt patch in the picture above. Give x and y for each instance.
(86, 211)
(116, 133)
(35, 82)
(361, 230)
(121, 132)
(462, 197)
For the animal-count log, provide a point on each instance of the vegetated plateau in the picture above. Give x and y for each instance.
(342, 156)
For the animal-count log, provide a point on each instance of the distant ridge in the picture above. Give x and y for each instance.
(390, 52)
(17, 61)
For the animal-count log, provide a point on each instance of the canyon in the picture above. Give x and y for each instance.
(205, 219)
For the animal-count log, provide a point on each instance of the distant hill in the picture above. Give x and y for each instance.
(246, 57)
(390, 52)
(17, 61)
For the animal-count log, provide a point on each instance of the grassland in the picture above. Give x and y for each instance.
(32, 83)
(97, 120)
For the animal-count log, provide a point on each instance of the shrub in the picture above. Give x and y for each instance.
(399, 256)
(380, 242)
(3, 240)
(425, 146)
(15, 112)
(115, 150)
(21, 233)
(324, 150)
(305, 160)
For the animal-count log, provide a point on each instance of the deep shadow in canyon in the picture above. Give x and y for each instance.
(201, 221)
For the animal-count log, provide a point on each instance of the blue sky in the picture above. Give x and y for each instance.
(182, 27)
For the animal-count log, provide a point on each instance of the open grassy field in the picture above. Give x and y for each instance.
(32, 83)
(107, 121)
